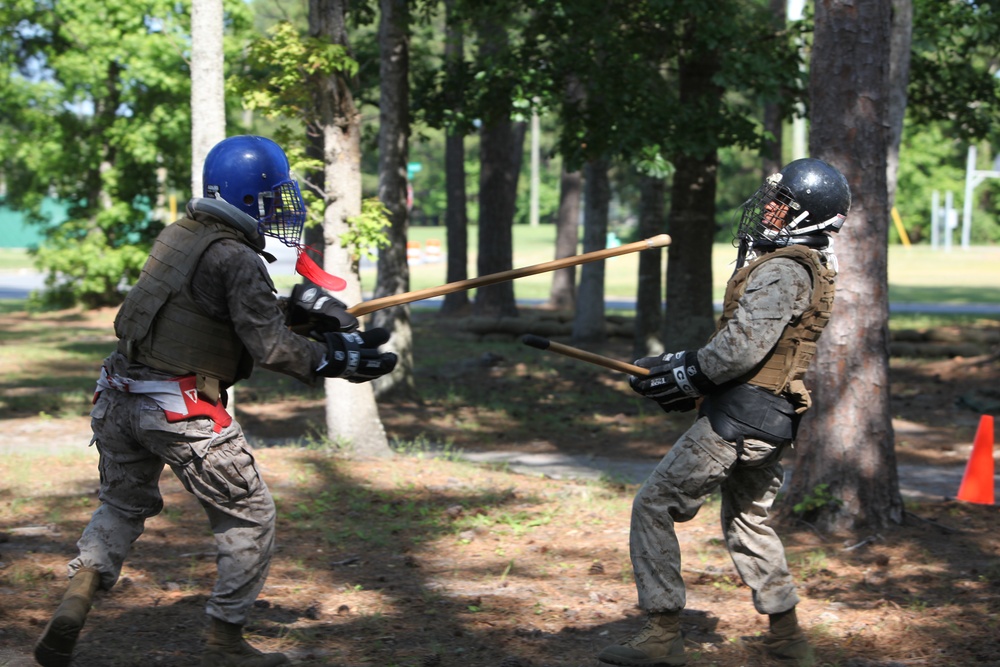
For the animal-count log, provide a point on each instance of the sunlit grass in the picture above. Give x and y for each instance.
(917, 274)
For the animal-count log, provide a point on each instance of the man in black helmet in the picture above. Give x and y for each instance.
(203, 312)
(748, 381)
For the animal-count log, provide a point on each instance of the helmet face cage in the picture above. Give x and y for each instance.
(282, 213)
(767, 214)
(252, 174)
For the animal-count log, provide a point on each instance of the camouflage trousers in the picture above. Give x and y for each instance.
(135, 441)
(698, 464)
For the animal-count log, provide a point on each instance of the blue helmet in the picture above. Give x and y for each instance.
(252, 174)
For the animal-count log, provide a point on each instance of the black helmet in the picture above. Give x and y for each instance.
(800, 204)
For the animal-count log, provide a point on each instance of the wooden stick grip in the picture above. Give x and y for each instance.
(545, 344)
(372, 305)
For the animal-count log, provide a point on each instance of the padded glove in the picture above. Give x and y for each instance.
(355, 356)
(675, 380)
(310, 307)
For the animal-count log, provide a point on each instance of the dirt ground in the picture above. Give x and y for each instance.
(418, 562)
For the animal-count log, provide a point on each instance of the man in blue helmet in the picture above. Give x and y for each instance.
(203, 312)
(748, 381)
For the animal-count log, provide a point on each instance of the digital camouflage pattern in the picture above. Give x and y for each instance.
(748, 474)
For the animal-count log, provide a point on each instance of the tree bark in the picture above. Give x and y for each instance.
(562, 294)
(208, 104)
(648, 301)
(690, 316)
(501, 147)
(899, 77)
(352, 416)
(689, 313)
(846, 440)
(771, 151)
(589, 325)
(393, 144)
(456, 213)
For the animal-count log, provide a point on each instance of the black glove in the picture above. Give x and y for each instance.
(310, 307)
(675, 380)
(355, 356)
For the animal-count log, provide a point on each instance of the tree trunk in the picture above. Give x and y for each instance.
(648, 301)
(393, 142)
(456, 225)
(456, 214)
(589, 325)
(690, 316)
(899, 77)
(501, 147)
(771, 152)
(352, 417)
(208, 104)
(562, 294)
(846, 441)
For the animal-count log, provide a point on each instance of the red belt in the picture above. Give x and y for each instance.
(198, 405)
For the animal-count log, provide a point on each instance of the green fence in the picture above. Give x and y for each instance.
(16, 233)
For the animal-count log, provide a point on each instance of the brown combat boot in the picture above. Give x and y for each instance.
(660, 642)
(225, 647)
(55, 648)
(786, 641)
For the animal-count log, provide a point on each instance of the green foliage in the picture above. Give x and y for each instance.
(953, 67)
(88, 270)
(817, 500)
(283, 69)
(929, 160)
(366, 232)
(94, 111)
(281, 66)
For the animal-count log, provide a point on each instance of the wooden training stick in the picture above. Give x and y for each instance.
(615, 365)
(366, 307)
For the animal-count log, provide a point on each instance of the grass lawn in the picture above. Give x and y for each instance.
(916, 274)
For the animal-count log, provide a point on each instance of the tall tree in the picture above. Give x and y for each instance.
(501, 141)
(562, 294)
(899, 79)
(208, 89)
(690, 317)
(649, 311)
(456, 213)
(590, 325)
(352, 416)
(771, 149)
(393, 151)
(658, 72)
(846, 442)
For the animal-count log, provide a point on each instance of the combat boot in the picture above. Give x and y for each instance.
(55, 648)
(787, 642)
(660, 642)
(225, 647)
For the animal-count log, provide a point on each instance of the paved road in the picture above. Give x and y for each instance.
(917, 482)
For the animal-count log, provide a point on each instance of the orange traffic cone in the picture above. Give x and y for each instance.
(977, 485)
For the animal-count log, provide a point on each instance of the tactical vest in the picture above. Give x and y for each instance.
(161, 326)
(782, 369)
